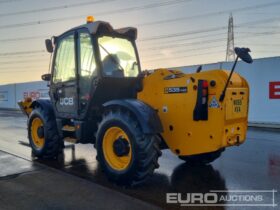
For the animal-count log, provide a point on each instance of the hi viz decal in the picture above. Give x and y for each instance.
(214, 103)
(274, 90)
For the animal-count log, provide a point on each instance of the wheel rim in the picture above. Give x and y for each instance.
(114, 160)
(36, 128)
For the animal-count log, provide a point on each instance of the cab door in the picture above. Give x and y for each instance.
(87, 70)
(64, 77)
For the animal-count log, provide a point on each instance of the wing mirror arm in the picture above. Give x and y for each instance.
(225, 88)
(243, 54)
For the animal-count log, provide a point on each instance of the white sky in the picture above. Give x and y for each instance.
(201, 36)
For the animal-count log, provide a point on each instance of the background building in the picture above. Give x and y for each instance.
(263, 77)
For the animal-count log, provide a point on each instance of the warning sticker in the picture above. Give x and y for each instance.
(214, 103)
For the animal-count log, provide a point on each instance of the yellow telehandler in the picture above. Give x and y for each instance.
(99, 95)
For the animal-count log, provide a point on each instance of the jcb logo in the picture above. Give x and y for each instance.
(66, 101)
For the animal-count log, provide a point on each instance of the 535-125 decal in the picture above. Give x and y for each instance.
(170, 90)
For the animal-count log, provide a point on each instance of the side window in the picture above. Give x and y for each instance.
(64, 66)
(87, 59)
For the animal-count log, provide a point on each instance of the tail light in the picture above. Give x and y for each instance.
(201, 108)
(204, 92)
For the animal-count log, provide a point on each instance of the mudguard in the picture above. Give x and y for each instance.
(45, 104)
(145, 114)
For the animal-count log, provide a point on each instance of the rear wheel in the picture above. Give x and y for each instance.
(202, 159)
(126, 154)
(42, 134)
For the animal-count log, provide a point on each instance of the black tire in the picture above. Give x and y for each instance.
(202, 159)
(144, 149)
(53, 145)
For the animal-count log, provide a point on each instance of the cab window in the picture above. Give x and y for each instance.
(118, 57)
(87, 69)
(87, 59)
(64, 64)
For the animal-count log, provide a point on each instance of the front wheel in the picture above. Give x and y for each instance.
(43, 135)
(126, 154)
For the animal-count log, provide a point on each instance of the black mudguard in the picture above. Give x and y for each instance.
(145, 114)
(45, 104)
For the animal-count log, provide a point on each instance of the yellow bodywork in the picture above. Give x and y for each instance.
(25, 106)
(226, 124)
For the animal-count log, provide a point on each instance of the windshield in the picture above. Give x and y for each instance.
(118, 57)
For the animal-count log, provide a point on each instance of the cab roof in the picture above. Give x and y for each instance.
(98, 27)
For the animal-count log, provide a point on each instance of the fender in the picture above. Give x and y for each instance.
(45, 104)
(145, 114)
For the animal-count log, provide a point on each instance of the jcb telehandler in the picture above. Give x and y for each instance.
(99, 95)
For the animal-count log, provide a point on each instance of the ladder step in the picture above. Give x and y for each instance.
(70, 140)
(68, 128)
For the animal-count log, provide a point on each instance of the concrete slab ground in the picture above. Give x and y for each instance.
(27, 185)
(254, 165)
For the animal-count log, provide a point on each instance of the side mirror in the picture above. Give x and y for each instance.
(46, 77)
(243, 54)
(49, 45)
(199, 69)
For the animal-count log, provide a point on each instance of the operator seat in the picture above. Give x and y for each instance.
(111, 66)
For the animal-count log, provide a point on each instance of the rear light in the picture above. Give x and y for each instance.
(204, 100)
(204, 91)
(205, 84)
(201, 108)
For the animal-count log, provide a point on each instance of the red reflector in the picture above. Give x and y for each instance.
(205, 84)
